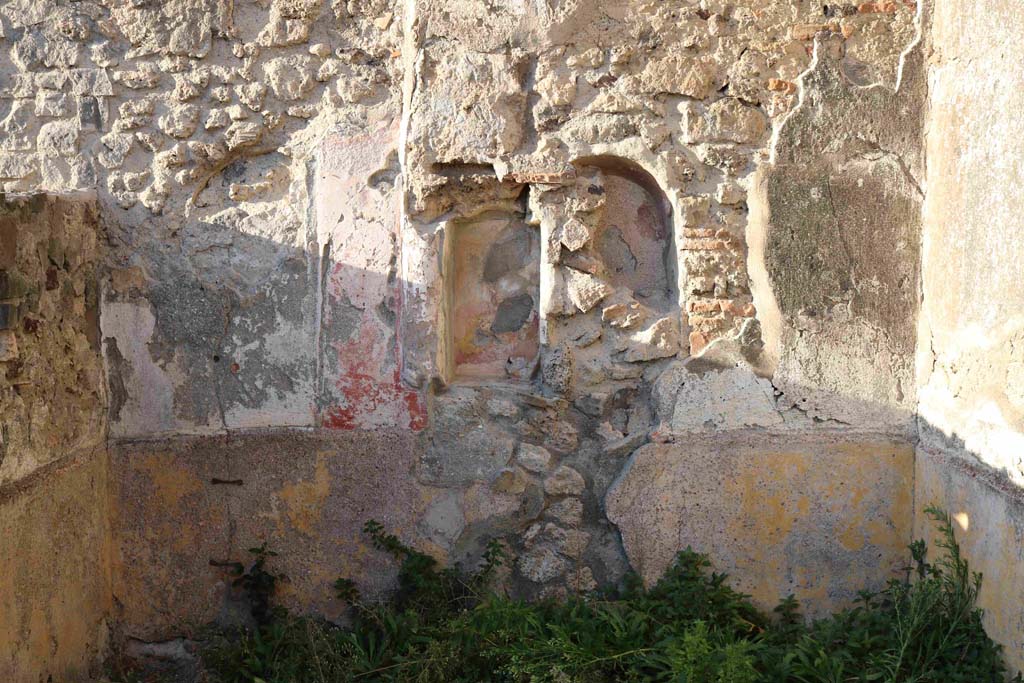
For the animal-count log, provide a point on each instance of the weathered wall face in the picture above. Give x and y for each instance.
(54, 579)
(52, 389)
(55, 601)
(971, 349)
(506, 262)
(184, 510)
(816, 517)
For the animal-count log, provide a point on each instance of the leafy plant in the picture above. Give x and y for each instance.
(259, 584)
(446, 625)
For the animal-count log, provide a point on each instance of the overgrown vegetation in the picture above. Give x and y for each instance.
(446, 626)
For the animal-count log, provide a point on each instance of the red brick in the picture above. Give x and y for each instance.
(698, 342)
(703, 306)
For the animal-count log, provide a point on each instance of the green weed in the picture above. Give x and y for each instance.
(443, 625)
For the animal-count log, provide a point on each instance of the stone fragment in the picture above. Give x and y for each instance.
(16, 166)
(570, 542)
(565, 481)
(471, 107)
(50, 104)
(58, 138)
(575, 234)
(8, 346)
(625, 445)
(533, 458)
(584, 290)
(145, 77)
(678, 75)
(593, 404)
(581, 580)
(443, 520)
(252, 95)
(217, 118)
(556, 369)
(541, 563)
(728, 120)
(290, 78)
(321, 50)
(660, 340)
(513, 313)
(242, 134)
(624, 315)
(180, 121)
(501, 407)
(723, 398)
(567, 511)
(481, 503)
(730, 193)
(694, 211)
(302, 111)
(588, 332)
(282, 31)
(511, 480)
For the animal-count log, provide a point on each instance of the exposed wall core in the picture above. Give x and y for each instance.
(633, 236)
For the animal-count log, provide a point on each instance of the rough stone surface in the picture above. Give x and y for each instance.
(52, 389)
(565, 481)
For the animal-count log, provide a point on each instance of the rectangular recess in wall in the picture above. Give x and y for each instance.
(492, 276)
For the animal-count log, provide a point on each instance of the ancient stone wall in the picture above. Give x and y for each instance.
(971, 349)
(603, 279)
(54, 574)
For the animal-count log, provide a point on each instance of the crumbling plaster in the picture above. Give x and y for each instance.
(282, 184)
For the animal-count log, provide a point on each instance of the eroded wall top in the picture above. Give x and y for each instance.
(199, 123)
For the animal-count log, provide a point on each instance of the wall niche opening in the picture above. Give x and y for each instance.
(493, 262)
(633, 237)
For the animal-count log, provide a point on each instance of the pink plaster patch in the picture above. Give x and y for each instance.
(361, 222)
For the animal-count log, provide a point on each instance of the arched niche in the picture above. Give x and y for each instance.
(633, 236)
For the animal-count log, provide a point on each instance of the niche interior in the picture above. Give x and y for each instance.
(493, 285)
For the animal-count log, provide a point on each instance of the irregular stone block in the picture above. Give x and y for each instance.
(660, 340)
(542, 563)
(584, 290)
(565, 481)
(533, 458)
(693, 398)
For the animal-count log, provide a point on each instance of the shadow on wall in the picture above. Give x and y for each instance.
(258, 332)
(784, 502)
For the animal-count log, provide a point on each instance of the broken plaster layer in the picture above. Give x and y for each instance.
(836, 244)
(199, 124)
